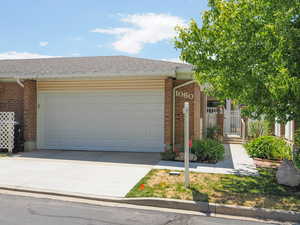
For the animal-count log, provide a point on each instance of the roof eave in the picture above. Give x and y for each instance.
(184, 73)
(92, 75)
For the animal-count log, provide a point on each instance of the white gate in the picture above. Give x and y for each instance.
(232, 123)
(232, 119)
(7, 130)
(211, 117)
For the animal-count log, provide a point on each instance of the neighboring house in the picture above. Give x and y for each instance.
(110, 103)
(286, 131)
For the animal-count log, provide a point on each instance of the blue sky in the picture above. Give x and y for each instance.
(140, 28)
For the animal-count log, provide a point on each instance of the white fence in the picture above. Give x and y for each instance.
(234, 123)
(211, 117)
(7, 121)
(288, 130)
(232, 120)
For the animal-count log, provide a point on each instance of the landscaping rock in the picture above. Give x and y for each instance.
(288, 174)
(180, 157)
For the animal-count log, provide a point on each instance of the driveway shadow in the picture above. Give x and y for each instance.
(137, 158)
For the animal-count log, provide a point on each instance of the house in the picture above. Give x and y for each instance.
(109, 103)
(286, 131)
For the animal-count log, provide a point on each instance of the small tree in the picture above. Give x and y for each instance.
(248, 51)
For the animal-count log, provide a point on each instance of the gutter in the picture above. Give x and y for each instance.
(174, 104)
(97, 75)
(19, 82)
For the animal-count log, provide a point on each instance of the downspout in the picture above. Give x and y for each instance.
(19, 82)
(174, 104)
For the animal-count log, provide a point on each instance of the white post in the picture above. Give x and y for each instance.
(227, 117)
(11, 133)
(205, 120)
(186, 145)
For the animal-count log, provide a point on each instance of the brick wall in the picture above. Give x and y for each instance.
(11, 99)
(30, 113)
(194, 122)
(195, 112)
(203, 113)
(168, 111)
(220, 122)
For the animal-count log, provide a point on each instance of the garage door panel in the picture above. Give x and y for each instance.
(70, 144)
(103, 120)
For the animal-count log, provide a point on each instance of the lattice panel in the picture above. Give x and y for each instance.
(7, 130)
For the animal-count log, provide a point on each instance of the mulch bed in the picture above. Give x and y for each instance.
(266, 163)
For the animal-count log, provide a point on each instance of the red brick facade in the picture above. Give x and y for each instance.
(220, 122)
(11, 99)
(179, 116)
(30, 110)
(195, 111)
(168, 123)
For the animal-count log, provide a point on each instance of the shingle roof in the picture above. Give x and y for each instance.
(98, 66)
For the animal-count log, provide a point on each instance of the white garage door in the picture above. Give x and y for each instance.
(102, 120)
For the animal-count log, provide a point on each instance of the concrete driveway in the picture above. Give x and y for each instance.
(81, 172)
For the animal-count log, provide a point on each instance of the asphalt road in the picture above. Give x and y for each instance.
(21, 210)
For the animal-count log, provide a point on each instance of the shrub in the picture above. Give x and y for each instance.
(212, 132)
(297, 137)
(257, 128)
(168, 155)
(268, 147)
(208, 150)
(297, 158)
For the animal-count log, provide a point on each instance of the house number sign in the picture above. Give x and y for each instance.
(184, 94)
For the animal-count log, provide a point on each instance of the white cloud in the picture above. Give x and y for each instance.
(22, 55)
(44, 43)
(143, 29)
(119, 30)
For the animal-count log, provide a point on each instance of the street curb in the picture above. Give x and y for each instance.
(213, 208)
(204, 207)
(259, 213)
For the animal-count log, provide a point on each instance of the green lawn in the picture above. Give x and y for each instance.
(260, 191)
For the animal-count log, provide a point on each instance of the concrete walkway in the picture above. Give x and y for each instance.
(78, 172)
(236, 161)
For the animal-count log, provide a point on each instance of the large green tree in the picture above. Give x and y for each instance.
(248, 51)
